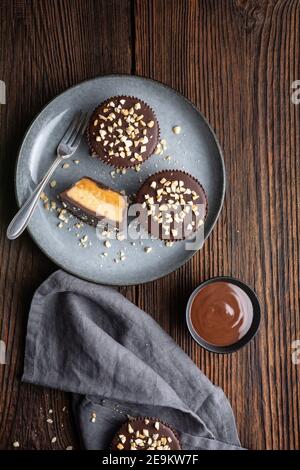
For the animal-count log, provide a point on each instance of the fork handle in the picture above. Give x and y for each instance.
(23, 216)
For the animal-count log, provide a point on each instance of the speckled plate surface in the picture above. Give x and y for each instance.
(195, 150)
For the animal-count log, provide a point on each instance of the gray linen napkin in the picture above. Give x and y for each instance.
(89, 340)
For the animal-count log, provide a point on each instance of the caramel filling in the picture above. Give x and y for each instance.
(104, 202)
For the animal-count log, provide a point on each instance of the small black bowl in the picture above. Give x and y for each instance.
(250, 333)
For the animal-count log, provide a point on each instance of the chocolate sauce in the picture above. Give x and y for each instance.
(221, 313)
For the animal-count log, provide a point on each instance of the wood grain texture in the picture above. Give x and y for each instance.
(236, 60)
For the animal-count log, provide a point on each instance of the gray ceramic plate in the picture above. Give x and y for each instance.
(195, 150)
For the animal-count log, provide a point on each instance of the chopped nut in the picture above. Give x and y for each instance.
(122, 438)
(176, 129)
(84, 239)
(139, 442)
(120, 446)
(16, 444)
(65, 165)
(69, 448)
(54, 439)
(44, 197)
(130, 428)
(120, 236)
(148, 249)
(158, 149)
(107, 244)
(53, 184)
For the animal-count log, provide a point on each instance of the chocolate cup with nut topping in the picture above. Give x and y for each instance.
(123, 131)
(145, 434)
(174, 205)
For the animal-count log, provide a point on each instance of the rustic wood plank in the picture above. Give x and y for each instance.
(236, 60)
(45, 48)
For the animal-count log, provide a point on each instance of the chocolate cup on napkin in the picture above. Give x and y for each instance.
(89, 340)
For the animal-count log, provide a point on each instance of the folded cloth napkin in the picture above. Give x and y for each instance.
(89, 340)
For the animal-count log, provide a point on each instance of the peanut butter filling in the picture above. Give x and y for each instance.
(103, 201)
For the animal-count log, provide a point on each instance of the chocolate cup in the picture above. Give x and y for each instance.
(116, 162)
(250, 333)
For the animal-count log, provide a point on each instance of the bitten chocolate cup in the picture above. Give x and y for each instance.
(223, 314)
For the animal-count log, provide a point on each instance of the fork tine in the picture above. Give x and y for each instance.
(81, 130)
(75, 129)
(71, 127)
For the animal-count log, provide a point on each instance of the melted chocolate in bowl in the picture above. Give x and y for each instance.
(221, 313)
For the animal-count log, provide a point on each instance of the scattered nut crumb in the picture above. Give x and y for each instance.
(147, 249)
(52, 184)
(49, 420)
(44, 197)
(120, 236)
(83, 241)
(16, 444)
(69, 448)
(54, 439)
(176, 129)
(65, 166)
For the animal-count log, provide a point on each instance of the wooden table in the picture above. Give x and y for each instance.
(236, 60)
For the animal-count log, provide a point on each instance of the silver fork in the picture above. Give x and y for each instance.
(66, 148)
